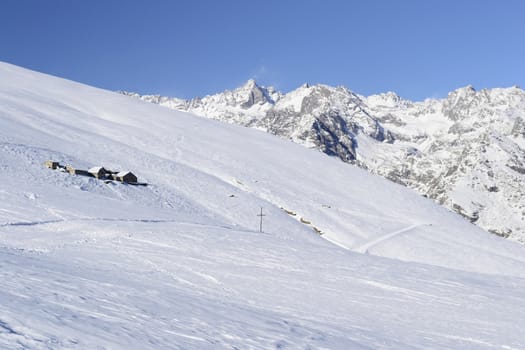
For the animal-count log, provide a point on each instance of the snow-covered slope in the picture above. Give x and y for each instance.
(181, 264)
(466, 151)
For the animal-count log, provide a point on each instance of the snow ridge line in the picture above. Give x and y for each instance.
(6, 328)
(45, 222)
(149, 221)
(30, 223)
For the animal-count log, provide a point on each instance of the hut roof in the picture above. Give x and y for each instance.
(124, 173)
(96, 169)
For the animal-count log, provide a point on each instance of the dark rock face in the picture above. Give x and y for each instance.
(255, 95)
(333, 137)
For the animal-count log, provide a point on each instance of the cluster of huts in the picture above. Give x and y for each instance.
(97, 172)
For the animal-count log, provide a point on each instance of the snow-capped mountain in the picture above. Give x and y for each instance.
(465, 151)
(346, 259)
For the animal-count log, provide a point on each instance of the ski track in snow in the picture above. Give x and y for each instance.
(364, 249)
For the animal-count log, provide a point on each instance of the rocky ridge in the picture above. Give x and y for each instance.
(466, 151)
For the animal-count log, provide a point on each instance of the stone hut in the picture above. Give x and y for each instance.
(51, 164)
(74, 171)
(98, 172)
(125, 176)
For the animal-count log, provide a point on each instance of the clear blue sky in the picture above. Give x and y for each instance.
(417, 48)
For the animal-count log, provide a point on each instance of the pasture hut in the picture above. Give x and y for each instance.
(73, 171)
(98, 172)
(51, 164)
(125, 176)
(70, 169)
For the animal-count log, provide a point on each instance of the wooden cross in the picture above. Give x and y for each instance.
(261, 222)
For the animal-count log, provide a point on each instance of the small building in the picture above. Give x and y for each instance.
(70, 169)
(51, 164)
(74, 171)
(98, 172)
(125, 176)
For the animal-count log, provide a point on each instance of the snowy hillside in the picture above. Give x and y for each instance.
(347, 260)
(466, 151)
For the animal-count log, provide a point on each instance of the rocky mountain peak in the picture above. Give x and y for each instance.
(251, 94)
(459, 102)
(467, 90)
(387, 100)
(463, 93)
(250, 84)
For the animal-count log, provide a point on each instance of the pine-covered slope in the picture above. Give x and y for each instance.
(465, 151)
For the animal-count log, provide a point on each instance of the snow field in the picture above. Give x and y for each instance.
(180, 264)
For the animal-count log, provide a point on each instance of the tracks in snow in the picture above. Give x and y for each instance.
(365, 247)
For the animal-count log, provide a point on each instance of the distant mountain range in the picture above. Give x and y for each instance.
(465, 151)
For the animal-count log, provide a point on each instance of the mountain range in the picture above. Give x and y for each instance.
(465, 151)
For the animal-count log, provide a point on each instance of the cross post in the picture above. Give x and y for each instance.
(261, 221)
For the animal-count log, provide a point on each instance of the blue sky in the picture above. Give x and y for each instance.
(417, 48)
